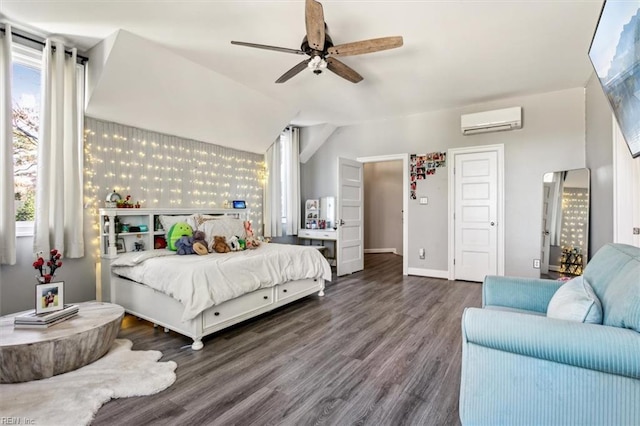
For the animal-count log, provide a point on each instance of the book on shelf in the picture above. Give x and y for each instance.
(42, 325)
(32, 317)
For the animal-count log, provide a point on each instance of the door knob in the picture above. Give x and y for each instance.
(546, 232)
(492, 224)
(341, 222)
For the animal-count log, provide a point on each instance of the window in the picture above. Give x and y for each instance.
(25, 91)
(285, 156)
(26, 85)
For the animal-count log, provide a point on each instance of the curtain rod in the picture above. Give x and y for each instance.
(81, 58)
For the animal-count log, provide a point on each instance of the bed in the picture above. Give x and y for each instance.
(199, 295)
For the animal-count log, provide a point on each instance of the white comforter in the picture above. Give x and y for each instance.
(200, 282)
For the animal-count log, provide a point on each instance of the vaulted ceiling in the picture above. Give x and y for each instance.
(176, 55)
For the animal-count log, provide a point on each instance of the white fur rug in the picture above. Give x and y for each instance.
(74, 398)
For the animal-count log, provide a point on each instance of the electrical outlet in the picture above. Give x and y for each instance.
(421, 253)
(536, 263)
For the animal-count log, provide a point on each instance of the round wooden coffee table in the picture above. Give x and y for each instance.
(28, 354)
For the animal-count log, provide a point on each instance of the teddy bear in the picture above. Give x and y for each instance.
(219, 244)
(184, 245)
(200, 245)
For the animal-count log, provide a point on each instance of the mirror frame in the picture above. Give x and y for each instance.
(572, 259)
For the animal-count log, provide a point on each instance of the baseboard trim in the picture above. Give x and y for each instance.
(431, 273)
(381, 250)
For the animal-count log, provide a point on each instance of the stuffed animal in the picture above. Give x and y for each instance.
(234, 243)
(184, 245)
(251, 241)
(199, 243)
(178, 230)
(248, 231)
(220, 245)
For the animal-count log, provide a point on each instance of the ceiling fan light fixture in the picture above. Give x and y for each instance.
(317, 64)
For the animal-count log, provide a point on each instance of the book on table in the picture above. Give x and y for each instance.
(47, 317)
(44, 324)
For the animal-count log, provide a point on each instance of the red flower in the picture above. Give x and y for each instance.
(53, 263)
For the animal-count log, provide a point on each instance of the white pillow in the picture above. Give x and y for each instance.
(202, 218)
(226, 227)
(167, 221)
(575, 301)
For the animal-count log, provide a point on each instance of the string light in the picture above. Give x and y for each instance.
(575, 208)
(160, 170)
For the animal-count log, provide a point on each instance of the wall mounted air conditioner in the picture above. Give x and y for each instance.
(491, 121)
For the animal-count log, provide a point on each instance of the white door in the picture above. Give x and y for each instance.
(476, 215)
(350, 256)
(626, 192)
(547, 204)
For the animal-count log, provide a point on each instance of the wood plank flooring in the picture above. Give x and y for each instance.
(377, 349)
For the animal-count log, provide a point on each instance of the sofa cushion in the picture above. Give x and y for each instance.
(575, 301)
(614, 273)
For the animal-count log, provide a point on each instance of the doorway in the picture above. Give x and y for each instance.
(476, 212)
(399, 213)
(383, 207)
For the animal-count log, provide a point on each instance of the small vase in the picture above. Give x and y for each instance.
(44, 280)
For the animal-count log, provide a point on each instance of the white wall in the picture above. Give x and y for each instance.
(552, 138)
(17, 282)
(383, 205)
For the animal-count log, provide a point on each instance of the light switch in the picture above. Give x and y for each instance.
(424, 200)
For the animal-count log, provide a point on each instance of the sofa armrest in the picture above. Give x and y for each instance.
(530, 294)
(596, 347)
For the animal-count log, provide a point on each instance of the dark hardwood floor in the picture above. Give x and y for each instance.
(377, 349)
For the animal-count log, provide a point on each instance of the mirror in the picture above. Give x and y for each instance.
(565, 223)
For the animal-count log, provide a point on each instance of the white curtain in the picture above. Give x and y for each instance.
(59, 216)
(7, 191)
(292, 179)
(272, 193)
(282, 192)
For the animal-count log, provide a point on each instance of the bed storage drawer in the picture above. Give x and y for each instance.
(234, 308)
(292, 288)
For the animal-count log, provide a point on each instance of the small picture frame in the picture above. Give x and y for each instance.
(49, 297)
(120, 246)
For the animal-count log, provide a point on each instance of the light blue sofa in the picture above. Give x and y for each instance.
(521, 368)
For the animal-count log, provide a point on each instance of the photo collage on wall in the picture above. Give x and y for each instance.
(423, 165)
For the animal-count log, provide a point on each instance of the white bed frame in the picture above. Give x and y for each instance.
(161, 309)
(152, 305)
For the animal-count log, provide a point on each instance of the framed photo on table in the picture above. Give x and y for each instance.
(49, 297)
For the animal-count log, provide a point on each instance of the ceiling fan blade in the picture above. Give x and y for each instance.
(366, 46)
(314, 20)
(293, 71)
(264, 46)
(343, 70)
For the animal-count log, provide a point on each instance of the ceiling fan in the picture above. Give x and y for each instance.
(322, 53)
